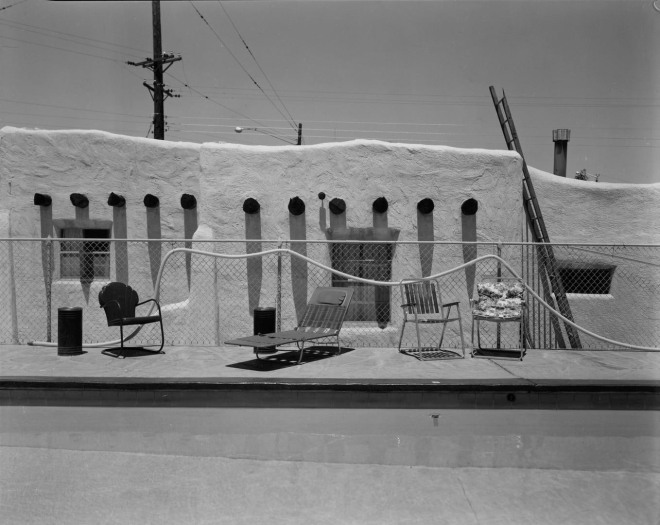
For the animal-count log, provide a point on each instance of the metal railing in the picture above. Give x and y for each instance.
(613, 290)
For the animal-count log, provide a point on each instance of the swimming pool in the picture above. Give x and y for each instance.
(251, 465)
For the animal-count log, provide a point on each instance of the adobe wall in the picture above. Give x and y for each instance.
(223, 176)
(587, 212)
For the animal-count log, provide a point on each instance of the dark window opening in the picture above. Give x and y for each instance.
(369, 261)
(586, 279)
(85, 260)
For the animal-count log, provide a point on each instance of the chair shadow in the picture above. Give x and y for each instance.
(433, 353)
(495, 353)
(288, 358)
(130, 351)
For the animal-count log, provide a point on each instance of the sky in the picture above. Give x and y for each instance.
(395, 70)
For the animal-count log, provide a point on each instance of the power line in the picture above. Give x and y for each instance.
(236, 60)
(293, 122)
(418, 124)
(68, 117)
(404, 132)
(45, 32)
(60, 48)
(12, 5)
(67, 107)
(199, 93)
(462, 99)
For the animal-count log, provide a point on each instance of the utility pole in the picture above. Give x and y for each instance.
(158, 91)
(159, 102)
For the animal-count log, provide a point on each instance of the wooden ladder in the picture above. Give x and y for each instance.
(539, 232)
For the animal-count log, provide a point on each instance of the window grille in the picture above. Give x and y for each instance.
(585, 278)
(369, 261)
(84, 259)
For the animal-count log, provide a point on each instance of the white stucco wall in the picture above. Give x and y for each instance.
(598, 212)
(359, 172)
(222, 176)
(94, 163)
(589, 212)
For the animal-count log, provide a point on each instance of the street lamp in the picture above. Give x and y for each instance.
(239, 129)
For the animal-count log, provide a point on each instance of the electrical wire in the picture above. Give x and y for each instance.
(68, 108)
(54, 34)
(206, 97)
(398, 124)
(60, 48)
(236, 59)
(12, 5)
(292, 120)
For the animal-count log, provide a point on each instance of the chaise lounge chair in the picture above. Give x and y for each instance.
(323, 318)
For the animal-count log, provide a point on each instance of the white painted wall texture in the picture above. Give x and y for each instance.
(222, 176)
(599, 212)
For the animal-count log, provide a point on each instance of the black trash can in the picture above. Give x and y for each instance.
(69, 331)
(264, 323)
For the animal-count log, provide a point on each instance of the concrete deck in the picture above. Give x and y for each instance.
(69, 456)
(379, 377)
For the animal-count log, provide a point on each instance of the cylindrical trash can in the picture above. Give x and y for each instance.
(264, 323)
(69, 331)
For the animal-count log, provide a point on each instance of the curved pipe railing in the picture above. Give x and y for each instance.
(358, 279)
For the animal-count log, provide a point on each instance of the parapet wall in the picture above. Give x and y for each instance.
(370, 189)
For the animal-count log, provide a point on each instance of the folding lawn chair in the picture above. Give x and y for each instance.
(423, 305)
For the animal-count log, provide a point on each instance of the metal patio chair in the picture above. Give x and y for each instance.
(423, 306)
(323, 317)
(119, 302)
(500, 300)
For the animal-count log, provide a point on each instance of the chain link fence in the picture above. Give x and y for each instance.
(612, 291)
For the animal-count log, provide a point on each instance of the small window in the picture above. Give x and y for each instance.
(586, 278)
(85, 260)
(369, 261)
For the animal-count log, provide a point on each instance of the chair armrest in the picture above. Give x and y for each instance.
(150, 301)
(450, 304)
(408, 304)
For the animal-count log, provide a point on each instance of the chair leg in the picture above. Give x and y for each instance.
(403, 327)
(338, 346)
(444, 325)
(302, 350)
(121, 342)
(479, 334)
(162, 337)
(442, 334)
(419, 343)
(460, 328)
